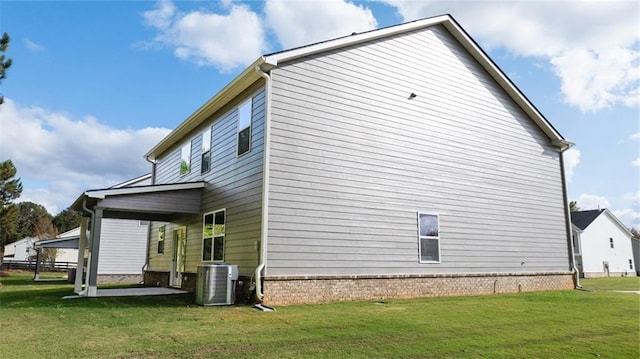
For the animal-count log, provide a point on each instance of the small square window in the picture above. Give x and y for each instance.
(429, 238)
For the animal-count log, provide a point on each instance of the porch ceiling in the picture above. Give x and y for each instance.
(166, 202)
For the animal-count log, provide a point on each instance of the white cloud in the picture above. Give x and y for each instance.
(33, 46)
(209, 39)
(635, 136)
(590, 201)
(61, 156)
(571, 160)
(298, 23)
(636, 162)
(630, 214)
(591, 46)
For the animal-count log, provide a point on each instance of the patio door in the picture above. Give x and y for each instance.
(179, 254)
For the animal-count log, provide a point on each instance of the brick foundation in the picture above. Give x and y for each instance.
(319, 289)
(156, 279)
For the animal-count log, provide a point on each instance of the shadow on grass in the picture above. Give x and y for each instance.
(23, 292)
(53, 298)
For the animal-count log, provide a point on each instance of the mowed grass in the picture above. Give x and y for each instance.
(37, 323)
(613, 283)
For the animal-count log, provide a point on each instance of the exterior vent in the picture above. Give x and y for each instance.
(216, 284)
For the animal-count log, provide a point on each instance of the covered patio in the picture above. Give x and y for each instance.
(57, 243)
(165, 202)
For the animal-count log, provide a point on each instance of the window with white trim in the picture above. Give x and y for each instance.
(185, 159)
(630, 263)
(205, 163)
(611, 242)
(429, 238)
(244, 127)
(161, 233)
(213, 233)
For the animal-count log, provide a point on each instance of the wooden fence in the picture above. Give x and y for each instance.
(31, 265)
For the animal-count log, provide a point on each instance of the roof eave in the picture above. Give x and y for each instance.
(463, 38)
(228, 93)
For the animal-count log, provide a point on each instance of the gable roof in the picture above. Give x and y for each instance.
(582, 219)
(269, 61)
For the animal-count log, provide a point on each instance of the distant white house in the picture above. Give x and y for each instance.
(602, 244)
(19, 250)
(635, 245)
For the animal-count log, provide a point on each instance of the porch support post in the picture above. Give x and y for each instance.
(36, 276)
(94, 250)
(82, 244)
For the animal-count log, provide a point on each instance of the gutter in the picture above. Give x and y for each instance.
(262, 245)
(565, 145)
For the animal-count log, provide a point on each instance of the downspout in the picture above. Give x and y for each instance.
(567, 213)
(265, 186)
(92, 215)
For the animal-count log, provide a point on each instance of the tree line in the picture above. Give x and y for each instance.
(20, 220)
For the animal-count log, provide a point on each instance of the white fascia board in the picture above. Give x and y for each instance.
(101, 194)
(576, 228)
(354, 39)
(617, 222)
(224, 96)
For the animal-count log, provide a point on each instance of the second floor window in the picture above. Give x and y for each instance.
(185, 159)
(244, 127)
(205, 164)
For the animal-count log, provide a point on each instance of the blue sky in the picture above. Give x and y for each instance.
(95, 85)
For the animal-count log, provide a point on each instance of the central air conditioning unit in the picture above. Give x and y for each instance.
(216, 284)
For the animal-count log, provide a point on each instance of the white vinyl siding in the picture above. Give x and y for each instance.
(123, 246)
(352, 157)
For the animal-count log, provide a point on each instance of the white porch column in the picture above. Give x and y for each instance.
(94, 252)
(82, 244)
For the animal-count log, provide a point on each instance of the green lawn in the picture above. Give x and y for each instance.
(613, 283)
(36, 323)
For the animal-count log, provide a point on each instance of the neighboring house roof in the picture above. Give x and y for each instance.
(582, 219)
(267, 62)
(70, 233)
(134, 181)
(70, 243)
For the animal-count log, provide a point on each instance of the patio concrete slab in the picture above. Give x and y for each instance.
(131, 292)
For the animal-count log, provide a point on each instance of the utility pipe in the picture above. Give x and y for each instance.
(567, 213)
(265, 185)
